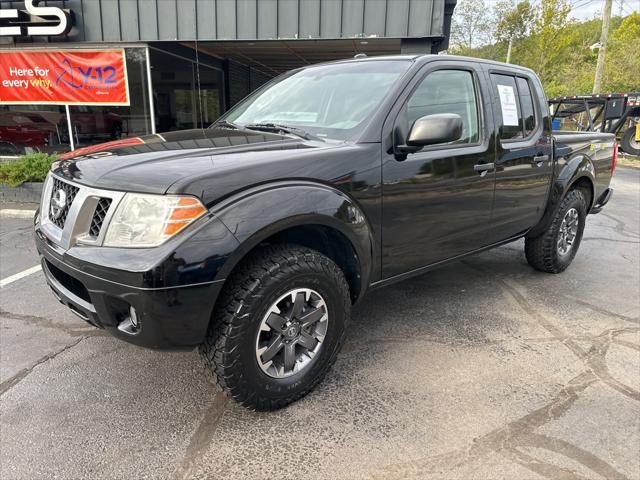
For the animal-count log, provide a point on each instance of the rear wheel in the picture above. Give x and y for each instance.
(554, 250)
(629, 143)
(278, 327)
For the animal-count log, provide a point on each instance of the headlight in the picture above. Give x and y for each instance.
(148, 220)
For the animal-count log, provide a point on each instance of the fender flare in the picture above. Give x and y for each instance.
(258, 213)
(574, 170)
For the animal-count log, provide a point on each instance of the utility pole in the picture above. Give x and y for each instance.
(604, 35)
(509, 49)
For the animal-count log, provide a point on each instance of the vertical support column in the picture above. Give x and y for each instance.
(150, 89)
(415, 45)
(71, 140)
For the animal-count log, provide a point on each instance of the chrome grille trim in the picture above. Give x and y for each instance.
(71, 191)
(80, 213)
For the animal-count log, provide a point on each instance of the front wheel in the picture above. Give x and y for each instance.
(554, 250)
(278, 327)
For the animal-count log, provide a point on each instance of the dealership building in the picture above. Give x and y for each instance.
(188, 61)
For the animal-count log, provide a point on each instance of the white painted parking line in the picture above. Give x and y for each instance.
(16, 213)
(25, 273)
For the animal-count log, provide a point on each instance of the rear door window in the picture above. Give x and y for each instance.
(508, 106)
(516, 106)
(526, 103)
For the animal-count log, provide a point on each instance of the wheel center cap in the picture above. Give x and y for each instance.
(292, 331)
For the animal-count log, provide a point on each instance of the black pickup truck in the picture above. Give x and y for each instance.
(253, 238)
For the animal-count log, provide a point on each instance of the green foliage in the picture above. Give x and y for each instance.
(471, 26)
(556, 47)
(28, 168)
(622, 64)
(513, 21)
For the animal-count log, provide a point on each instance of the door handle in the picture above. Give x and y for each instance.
(538, 160)
(483, 168)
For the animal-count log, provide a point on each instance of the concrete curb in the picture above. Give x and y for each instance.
(29, 192)
(16, 213)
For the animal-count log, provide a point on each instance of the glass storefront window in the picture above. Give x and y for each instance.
(93, 125)
(178, 103)
(210, 95)
(33, 128)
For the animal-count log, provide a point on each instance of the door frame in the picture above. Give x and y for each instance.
(485, 122)
(487, 134)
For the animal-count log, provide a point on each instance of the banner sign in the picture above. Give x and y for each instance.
(64, 77)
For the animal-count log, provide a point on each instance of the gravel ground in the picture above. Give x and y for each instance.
(481, 369)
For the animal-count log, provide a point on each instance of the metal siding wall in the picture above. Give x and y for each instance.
(111, 20)
(437, 20)
(92, 20)
(148, 19)
(206, 19)
(186, 19)
(268, 19)
(419, 18)
(167, 22)
(309, 19)
(352, 18)
(330, 18)
(226, 14)
(375, 17)
(397, 18)
(129, 19)
(247, 19)
(287, 18)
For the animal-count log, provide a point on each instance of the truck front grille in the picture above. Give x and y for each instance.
(75, 214)
(60, 203)
(98, 216)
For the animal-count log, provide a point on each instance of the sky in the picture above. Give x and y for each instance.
(587, 9)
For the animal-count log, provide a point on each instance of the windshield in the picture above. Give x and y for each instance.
(328, 101)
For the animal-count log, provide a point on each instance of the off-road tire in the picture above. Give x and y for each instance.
(542, 251)
(229, 349)
(628, 142)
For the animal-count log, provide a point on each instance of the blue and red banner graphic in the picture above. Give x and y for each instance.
(64, 77)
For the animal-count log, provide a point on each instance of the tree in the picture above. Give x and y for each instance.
(513, 22)
(557, 48)
(622, 70)
(471, 26)
(548, 47)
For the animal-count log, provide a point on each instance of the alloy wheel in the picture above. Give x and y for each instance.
(568, 231)
(291, 333)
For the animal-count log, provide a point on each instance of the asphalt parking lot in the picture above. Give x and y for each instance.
(482, 369)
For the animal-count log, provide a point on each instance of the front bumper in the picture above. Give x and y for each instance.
(171, 318)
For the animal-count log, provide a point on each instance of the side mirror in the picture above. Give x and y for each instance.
(431, 130)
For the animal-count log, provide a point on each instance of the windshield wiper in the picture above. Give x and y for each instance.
(224, 124)
(276, 127)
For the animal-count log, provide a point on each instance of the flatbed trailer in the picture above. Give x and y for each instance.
(617, 113)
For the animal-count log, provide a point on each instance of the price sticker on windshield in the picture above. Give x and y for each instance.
(508, 105)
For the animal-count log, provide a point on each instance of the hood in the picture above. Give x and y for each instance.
(152, 163)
